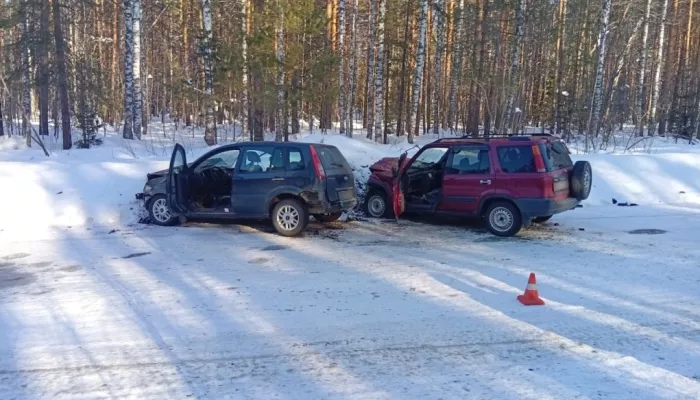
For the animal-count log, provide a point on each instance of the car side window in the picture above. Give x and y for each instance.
(470, 160)
(516, 159)
(428, 159)
(295, 160)
(256, 159)
(225, 159)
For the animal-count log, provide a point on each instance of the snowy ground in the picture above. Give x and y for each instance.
(95, 306)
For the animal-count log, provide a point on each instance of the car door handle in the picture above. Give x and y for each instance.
(277, 179)
(485, 182)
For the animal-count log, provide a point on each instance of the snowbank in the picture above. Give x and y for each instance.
(661, 179)
(95, 187)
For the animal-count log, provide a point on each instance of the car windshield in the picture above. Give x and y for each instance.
(429, 158)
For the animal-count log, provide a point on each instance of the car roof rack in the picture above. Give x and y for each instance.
(512, 137)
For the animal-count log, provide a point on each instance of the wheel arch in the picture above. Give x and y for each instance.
(486, 203)
(285, 195)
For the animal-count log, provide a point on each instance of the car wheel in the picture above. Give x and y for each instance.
(581, 180)
(290, 217)
(541, 220)
(503, 219)
(377, 205)
(159, 211)
(327, 217)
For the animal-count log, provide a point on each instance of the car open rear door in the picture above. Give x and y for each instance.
(177, 185)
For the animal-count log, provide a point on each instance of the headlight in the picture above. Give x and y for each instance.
(147, 188)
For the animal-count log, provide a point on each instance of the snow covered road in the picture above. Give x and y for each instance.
(364, 310)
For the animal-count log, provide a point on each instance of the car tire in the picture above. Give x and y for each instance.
(159, 212)
(377, 205)
(290, 217)
(503, 219)
(327, 217)
(541, 220)
(581, 180)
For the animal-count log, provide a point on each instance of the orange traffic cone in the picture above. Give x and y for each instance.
(531, 297)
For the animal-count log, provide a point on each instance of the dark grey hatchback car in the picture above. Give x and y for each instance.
(284, 182)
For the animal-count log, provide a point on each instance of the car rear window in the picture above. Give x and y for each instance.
(516, 159)
(556, 156)
(331, 157)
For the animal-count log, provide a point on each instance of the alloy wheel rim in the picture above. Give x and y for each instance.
(160, 209)
(288, 218)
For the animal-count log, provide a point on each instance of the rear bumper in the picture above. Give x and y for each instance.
(325, 207)
(531, 208)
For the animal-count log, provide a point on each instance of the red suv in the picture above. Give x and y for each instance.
(510, 181)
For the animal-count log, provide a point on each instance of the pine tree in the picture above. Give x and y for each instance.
(439, 50)
(243, 7)
(510, 119)
(342, 70)
(370, 75)
(62, 75)
(457, 56)
(353, 71)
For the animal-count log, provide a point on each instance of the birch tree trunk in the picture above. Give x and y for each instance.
(439, 50)
(62, 75)
(353, 70)
(594, 117)
(128, 132)
(342, 71)
(369, 85)
(26, 68)
(210, 120)
(279, 129)
(138, 92)
(418, 72)
(457, 56)
(515, 65)
(642, 72)
(659, 71)
(379, 75)
(243, 6)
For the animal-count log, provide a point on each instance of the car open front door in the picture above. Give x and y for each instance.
(177, 184)
(398, 184)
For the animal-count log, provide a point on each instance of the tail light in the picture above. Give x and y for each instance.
(549, 187)
(320, 172)
(539, 162)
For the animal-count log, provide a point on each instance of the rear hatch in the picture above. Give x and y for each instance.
(340, 182)
(559, 165)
